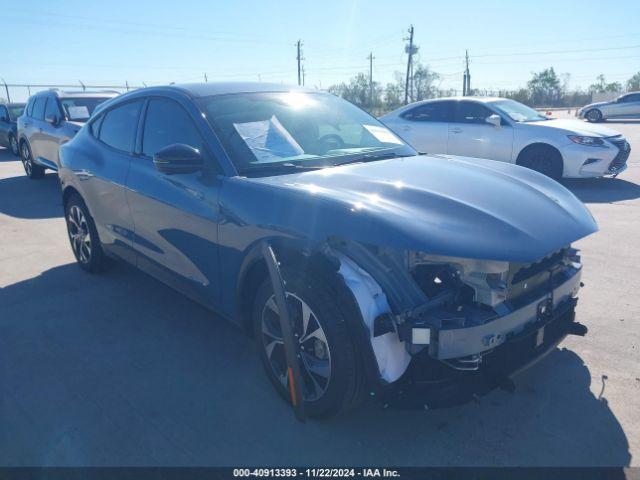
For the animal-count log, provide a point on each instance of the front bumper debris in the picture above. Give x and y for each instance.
(429, 383)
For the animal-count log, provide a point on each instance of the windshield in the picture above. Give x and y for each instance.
(517, 111)
(15, 111)
(80, 109)
(267, 132)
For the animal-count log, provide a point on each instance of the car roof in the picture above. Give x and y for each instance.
(223, 88)
(474, 98)
(79, 94)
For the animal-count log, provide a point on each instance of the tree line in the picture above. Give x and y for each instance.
(545, 89)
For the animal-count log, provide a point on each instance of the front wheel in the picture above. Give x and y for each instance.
(330, 371)
(545, 160)
(31, 169)
(13, 144)
(594, 116)
(83, 235)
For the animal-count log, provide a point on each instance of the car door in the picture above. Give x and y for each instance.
(426, 126)
(5, 126)
(50, 133)
(35, 127)
(104, 176)
(629, 106)
(175, 215)
(470, 135)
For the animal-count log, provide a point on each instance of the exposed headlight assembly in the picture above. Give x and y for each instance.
(488, 278)
(587, 141)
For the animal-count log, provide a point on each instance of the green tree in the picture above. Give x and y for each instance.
(634, 82)
(545, 88)
(423, 82)
(393, 96)
(601, 85)
(358, 92)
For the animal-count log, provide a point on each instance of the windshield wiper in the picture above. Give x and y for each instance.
(266, 168)
(370, 157)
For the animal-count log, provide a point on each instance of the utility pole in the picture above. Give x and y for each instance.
(466, 79)
(371, 57)
(299, 59)
(410, 49)
(303, 75)
(205, 78)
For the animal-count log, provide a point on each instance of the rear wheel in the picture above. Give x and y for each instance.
(594, 115)
(31, 169)
(543, 159)
(83, 235)
(331, 374)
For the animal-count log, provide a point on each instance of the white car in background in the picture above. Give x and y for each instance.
(508, 131)
(625, 106)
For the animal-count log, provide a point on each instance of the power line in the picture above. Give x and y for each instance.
(410, 49)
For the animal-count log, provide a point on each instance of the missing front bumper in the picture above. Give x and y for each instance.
(429, 383)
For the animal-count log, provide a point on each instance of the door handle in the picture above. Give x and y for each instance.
(456, 130)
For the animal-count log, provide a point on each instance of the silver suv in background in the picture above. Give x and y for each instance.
(50, 119)
(625, 106)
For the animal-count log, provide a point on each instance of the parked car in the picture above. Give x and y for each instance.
(394, 262)
(625, 106)
(50, 119)
(508, 131)
(9, 112)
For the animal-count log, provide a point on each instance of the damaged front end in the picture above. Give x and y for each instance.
(444, 329)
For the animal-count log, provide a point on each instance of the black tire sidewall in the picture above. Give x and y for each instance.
(344, 365)
(12, 138)
(555, 168)
(598, 117)
(36, 170)
(97, 261)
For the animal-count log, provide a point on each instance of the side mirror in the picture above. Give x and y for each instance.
(494, 120)
(52, 118)
(178, 158)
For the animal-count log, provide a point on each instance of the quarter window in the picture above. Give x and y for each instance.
(118, 128)
(167, 123)
(430, 112)
(471, 112)
(38, 108)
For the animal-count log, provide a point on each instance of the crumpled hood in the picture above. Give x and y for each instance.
(442, 205)
(576, 127)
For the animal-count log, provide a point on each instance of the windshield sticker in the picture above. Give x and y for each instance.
(78, 112)
(268, 140)
(383, 134)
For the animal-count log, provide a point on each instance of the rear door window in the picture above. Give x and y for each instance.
(39, 107)
(118, 129)
(430, 112)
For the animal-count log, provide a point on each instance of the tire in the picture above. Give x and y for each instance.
(83, 236)
(31, 169)
(543, 159)
(329, 349)
(13, 145)
(594, 115)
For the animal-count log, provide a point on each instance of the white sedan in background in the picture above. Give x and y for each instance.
(508, 131)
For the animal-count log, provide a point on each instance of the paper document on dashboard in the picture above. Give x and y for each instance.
(268, 140)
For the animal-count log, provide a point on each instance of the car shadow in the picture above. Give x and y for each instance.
(602, 190)
(119, 369)
(22, 197)
(6, 155)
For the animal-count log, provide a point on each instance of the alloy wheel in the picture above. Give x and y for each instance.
(14, 146)
(79, 234)
(26, 159)
(315, 355)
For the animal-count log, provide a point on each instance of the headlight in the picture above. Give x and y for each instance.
(588, 141)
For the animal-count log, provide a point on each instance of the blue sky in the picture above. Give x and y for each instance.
(159, 42)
